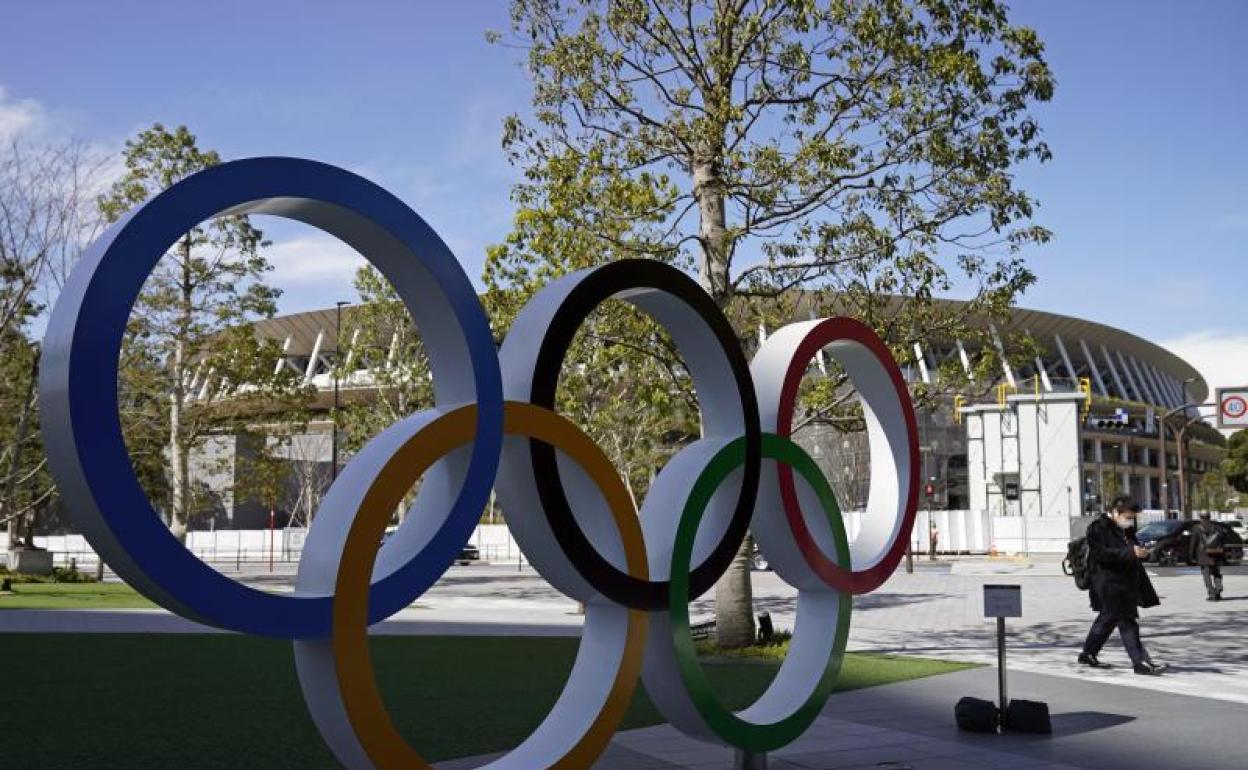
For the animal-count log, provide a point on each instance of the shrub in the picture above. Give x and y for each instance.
(59, 575)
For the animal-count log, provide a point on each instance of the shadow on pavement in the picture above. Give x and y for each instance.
(879, 600)
(1075, 722)
(1094, 725)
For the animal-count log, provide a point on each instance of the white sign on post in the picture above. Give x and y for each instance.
(1233, 407)
(1002, 601)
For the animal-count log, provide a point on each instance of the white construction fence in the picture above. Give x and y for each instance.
(960, 532)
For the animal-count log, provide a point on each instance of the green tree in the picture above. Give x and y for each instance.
(379, 345)
(189, 337)
(1111, 487)
(1214, 493)
(380, 349)
(25, 485)
(636, 405)
(861, 148)
(263, 471)
(1235, 464)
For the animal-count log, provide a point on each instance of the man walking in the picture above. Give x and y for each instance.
(1119, 586)
(933, 542)
(1209, 546)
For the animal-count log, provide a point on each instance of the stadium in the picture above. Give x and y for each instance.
(1096, 396)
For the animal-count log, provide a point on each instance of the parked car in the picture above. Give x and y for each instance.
(468, 554)
(1170, 542)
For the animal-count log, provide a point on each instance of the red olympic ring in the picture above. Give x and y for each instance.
(825, 333)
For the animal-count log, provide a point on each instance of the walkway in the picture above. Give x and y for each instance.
(910, 725)
(933, 612)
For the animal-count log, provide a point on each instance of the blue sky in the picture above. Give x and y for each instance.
(1146, 195)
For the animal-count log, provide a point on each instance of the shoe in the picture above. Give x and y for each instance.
(1211, 598)
(1217, 597)
(1090, 660)
(1149, 668)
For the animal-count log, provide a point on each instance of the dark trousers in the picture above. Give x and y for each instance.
(1213, 578)
(1129, 628)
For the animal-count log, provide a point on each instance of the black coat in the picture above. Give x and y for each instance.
(1199, 550)
(1119, 584)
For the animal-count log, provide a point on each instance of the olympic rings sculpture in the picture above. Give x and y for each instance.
(493, 426)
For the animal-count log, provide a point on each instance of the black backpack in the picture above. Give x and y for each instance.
(1076, 562)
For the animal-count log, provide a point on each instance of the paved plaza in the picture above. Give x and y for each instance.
(936, 612)
(1103, 719)
(910, 725)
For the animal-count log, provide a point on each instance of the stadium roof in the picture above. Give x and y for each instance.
(303, 330)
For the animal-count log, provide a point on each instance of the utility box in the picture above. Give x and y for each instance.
(30, 561)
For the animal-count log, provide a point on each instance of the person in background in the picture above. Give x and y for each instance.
(1119, 586)
(933, 541)
(1208, 543)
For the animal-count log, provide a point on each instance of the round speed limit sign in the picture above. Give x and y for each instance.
(1233, 408)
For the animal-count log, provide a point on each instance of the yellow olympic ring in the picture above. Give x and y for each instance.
(358, 688)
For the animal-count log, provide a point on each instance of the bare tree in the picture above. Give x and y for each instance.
(47, 216)
(309, 477)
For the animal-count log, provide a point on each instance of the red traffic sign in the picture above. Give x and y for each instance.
(1233, 407)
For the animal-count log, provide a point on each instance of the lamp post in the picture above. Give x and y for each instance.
(1184, 504)
(1184, 508)
(333, 442)
(1161, 433)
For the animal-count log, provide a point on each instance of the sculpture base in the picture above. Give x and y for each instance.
(30, 561)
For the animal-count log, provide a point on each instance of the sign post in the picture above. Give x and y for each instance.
(1001, 602)
(1233, 407)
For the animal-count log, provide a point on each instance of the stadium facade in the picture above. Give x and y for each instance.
(1051, 437)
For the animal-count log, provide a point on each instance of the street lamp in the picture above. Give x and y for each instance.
(1161, 431)
(1184, 503)
(333, 442)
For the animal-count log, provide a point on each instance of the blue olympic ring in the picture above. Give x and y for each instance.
(78, 381)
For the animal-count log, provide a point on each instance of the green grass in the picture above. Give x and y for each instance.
(200, 701)
(775, 649)
(858, 671)
(76, 596)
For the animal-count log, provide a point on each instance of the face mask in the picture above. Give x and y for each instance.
(1125, 523)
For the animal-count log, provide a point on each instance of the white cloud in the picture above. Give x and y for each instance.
(1220, 357)
(19, 117)
(38, 128)
(312, 259)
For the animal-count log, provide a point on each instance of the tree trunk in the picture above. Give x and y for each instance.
(734, 595)
(713, 256)
(179, 445)
(734, 600)
(15, 460)
(179, 484)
